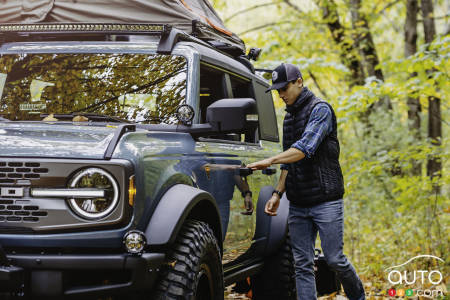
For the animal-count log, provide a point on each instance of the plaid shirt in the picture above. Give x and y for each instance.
(318, 127)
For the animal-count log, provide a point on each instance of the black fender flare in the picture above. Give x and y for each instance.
(273, 229)
(179, 203)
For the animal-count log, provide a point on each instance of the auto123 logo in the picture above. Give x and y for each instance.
(410, 279)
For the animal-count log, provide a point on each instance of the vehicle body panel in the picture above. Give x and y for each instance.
(35, 139)
(159, 160)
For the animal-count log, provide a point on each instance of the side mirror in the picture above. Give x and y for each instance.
(232, 115)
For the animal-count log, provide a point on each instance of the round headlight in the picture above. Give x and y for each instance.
(98, 207)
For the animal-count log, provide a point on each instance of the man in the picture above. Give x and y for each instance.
(312, 178)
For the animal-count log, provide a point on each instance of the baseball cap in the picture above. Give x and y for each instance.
(282, 75)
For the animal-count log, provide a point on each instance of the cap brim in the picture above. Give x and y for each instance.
(277, 86)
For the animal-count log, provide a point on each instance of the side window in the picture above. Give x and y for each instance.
(212, 88)
(216, 84)
(242, 88)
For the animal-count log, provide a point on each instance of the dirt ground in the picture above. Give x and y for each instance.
(229, 295)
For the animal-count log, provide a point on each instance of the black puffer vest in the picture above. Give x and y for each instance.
(318, 179)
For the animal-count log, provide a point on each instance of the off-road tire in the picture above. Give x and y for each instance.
(277, 279)
(194, 266)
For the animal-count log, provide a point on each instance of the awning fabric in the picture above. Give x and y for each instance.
(178, 13)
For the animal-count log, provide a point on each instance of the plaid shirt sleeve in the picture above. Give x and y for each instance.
(318, 127)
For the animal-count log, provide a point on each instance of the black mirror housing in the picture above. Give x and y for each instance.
(230, 115)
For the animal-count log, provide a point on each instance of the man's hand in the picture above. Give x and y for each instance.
(260, 165)
(248, 203)
(272, 205)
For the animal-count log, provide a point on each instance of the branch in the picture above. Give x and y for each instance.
(295, 7)
(436, 18)
(317, 84)
(306, 17)
(388, 6)
(240, 12)
(262, 26)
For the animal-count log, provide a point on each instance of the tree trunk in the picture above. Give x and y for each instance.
(414, 107)
(348, 52)
(429, 27)
(434, 165)
(364, 41)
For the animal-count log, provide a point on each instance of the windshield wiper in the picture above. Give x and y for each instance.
(89, 116)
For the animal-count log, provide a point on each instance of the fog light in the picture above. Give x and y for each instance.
(134, 242)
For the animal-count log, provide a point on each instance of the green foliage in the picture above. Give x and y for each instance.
(391, 214)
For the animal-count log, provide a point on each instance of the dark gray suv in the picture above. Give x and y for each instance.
(122, 167)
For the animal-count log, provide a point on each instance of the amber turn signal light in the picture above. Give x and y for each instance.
(131, 191)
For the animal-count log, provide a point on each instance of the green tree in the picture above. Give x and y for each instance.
(357, 54)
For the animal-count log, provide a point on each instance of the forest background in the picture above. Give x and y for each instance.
(384, 66)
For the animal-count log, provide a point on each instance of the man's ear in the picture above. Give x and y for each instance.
(300, 82)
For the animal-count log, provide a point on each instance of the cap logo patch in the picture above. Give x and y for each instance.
(274, 75)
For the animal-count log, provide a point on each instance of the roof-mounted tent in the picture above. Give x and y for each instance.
(169, 35)
(180, 14)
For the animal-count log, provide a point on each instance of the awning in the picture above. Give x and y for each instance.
(177, 13)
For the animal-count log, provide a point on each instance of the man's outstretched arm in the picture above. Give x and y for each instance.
(289, 156)
(318, 127)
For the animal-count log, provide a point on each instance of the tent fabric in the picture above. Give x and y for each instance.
(178, 13)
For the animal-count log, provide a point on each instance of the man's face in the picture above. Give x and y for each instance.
(291, 91)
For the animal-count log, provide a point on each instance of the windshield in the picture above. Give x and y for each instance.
(143, 88)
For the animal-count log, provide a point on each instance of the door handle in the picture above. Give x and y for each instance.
(269, 171)
(244, 172)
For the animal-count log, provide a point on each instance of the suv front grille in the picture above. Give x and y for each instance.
(21, 212)
(12, 212)
(10, 172)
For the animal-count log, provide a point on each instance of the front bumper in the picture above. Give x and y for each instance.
(66, 275)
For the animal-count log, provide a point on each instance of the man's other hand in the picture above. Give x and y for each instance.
(272, 205)
(248, 203)
(260, 165)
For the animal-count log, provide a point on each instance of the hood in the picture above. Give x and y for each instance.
(54, 140)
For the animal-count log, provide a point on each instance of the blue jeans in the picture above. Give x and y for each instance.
(327, 219)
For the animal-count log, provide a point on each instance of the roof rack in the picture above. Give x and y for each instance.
(171, 36)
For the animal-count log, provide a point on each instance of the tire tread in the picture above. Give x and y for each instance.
(177, 282)
(277, 279)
